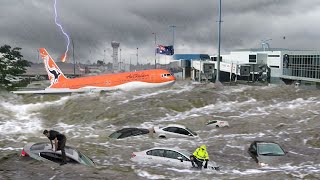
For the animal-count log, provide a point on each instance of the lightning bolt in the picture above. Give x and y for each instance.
(63, 58)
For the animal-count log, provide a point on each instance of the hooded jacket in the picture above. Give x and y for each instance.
(201, 153)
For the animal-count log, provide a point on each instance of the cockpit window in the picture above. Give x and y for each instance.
(165, 75)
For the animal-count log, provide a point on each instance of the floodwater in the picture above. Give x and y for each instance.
(284, 114)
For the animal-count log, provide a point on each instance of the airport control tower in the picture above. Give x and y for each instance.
(115, 45)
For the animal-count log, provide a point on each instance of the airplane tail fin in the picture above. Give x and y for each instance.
(54, 73)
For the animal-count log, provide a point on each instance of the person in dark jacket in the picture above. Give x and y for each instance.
(59, 143)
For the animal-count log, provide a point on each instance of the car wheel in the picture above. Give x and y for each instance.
(217, 126)
(162, 137)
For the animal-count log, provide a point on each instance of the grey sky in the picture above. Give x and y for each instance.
(93, 24)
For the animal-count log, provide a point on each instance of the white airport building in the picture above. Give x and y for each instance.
(274, 65)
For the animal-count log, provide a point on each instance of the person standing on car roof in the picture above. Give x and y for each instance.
(200, 155)
(59, 143)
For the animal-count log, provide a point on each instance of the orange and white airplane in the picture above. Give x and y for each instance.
(124, 81)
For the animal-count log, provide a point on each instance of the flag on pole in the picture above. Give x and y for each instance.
(167, 50)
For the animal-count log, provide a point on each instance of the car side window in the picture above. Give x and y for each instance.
(174, 155)
(156, 152)
(183, 131)
(171, 129)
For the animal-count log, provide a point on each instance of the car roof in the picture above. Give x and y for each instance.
(46, 147)
(260, 141)
(175, 125)
(185, 152)
(264, 141)
(129, 129)
(166, 148)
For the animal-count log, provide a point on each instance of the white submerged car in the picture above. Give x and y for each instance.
(167, 156)
(174, 130)
(218, 123)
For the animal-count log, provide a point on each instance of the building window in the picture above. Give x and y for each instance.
(252, 58)
(215, 59)
(273, 55)
(306, 66)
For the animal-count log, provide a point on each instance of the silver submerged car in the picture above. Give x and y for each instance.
(267, 153)
(174, 131)
(43, 152)
(167, 156)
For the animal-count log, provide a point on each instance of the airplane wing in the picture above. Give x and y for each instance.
(53, 91)
(64, 90)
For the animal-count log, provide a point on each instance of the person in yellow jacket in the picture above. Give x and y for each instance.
(200, 155)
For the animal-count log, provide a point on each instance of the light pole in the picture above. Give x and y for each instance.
(173, 27)
(74, 61)
(104, 55)
(219, 36)
(130, 62)
(137, 56)
(155, 50)
(120, 61)
(38, 55)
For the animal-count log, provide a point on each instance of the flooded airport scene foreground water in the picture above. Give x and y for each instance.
(287, 115)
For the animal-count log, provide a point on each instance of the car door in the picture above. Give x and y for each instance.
(172, 159)
(155, 156)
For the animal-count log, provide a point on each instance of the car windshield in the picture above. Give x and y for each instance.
(115, 135)
(270, 149)
(191, 131)
(38, 146)
(85, 159)
(186, 153)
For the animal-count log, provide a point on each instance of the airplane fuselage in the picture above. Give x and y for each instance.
(145, 78)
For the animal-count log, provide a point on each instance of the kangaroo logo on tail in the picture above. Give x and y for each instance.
(54, 73)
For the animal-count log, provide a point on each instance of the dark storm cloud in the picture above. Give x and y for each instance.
(94, 24)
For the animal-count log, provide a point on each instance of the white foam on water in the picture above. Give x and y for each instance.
(23, 118)
(206, 110)
(243, 136)
(10, 149)
(148, 175)
(236, 147)
(298, 103)
(161, 91)
(76, 130)
(245, 172)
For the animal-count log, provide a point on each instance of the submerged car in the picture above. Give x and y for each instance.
(127, 132)
(174, 130)
(266, 153)
(218, 123)
(43, 152)
(167, 156)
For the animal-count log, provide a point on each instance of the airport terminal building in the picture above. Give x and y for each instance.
(275, 65)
